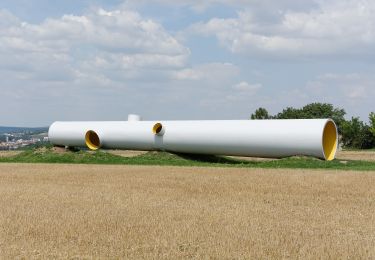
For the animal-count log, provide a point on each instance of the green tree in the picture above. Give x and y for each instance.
(324, 110)
(290, 113)
(314, 110)
(260, 113)
(372, 123)
(356, 134)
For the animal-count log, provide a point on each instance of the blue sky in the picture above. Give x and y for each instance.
(164, 59)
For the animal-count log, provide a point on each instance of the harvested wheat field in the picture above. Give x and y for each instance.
(9, 153)
(356, 155)
(101, 211)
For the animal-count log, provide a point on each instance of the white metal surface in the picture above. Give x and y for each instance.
(134, 117)
(258, 138)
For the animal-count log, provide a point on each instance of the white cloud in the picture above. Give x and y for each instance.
(100, 66)
(98, 42)
(334, 27)
(82, 67)
(243, 91)
(245, 86)
(213, 72)
(103, 64)
(202, 6)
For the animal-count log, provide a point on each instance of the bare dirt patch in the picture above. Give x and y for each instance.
(103, 211)
(59, 150)
(126, 153)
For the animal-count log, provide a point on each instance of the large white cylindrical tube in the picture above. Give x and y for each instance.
(259, 138)
(113, 135)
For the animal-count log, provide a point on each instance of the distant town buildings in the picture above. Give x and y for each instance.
(16, 141)
(14, 145)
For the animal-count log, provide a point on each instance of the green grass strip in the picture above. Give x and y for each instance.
(46, 155)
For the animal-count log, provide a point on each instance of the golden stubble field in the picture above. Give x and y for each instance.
(98, 211)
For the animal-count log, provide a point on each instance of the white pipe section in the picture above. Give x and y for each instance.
(134, 118)
(258, 138)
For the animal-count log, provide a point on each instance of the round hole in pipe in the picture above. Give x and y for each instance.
(92, 140)
(330, 140)
(158, 127)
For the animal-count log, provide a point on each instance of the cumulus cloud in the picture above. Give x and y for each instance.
(202, 6)
(91, 66)
(97, 41)
(103, 64)
(334, 27)
(72, 64)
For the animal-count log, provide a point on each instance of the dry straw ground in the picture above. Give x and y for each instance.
(356, 155)
(9, 153)
(101, 211)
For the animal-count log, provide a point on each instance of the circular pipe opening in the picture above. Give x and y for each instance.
(330, 140)
(92, 140)
(157, 129)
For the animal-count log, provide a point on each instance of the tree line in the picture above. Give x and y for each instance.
(353, 133)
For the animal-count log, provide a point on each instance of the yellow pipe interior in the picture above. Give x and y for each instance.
(330, 141)
(157, 128)
(92, 140)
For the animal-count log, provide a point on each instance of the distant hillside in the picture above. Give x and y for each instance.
(9, 129)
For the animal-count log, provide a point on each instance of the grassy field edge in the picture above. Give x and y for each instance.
(47, 155)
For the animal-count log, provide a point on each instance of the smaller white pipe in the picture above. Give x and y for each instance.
(158, 129)
(134, 118)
